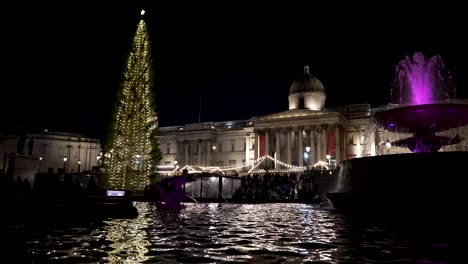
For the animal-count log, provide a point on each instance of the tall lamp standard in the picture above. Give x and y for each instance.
(39, 167)
(214, 155)
(328, 158)
(309, 160)
(79, 166)
(64, 164)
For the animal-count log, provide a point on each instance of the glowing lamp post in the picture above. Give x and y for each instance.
(79, 166)
(64, 164)
(328, 158)
(308, 156)
(39, 167)
(214, 153)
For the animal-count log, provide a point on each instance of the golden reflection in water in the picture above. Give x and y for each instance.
(130, 241)
(319, 223)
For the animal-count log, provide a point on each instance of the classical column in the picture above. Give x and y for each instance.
(300, 147)
(247, 148)
(208, 153)
(288, 146)
(358, 143)
(256, 145)
(199, 152)
(325, 142)
(318, 138)
(313, 146)
(178, 151)
(308, 144)
(277, 144)
(338, 157)
(267, 142)
(186, 160)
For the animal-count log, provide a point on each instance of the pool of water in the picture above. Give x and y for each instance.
(233, 233)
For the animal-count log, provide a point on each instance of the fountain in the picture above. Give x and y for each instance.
(424, 106)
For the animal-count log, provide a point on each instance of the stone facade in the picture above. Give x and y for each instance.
(50, 149)
(338, 132)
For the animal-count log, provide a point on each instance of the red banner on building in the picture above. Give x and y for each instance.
(262, 146)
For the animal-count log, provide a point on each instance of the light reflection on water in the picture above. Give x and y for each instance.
(216, 233)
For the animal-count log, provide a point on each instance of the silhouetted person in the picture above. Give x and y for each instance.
(30, 146)
(26, 185)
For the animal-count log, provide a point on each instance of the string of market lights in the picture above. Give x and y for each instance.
(254, 164)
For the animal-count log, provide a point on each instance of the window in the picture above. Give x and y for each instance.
(168, 149)
(167, 163)
(220, 147)
(233, 146)
(301, 103)
(232, 162)
(219, 163)
(351, 139)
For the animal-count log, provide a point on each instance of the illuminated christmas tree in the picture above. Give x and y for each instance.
(133, 146)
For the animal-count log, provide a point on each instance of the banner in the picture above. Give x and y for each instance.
(261, 146)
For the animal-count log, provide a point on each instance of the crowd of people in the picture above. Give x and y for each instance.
(277, 186)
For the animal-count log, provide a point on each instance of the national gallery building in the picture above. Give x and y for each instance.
(306, 134)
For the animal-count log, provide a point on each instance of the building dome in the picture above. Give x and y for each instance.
(307, 92)
(306, 83)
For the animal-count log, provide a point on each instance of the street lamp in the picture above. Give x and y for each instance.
(328, 158)
(308, 156)
(39, 167)
(64, 164)
(79, 165)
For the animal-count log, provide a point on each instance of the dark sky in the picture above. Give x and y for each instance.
(62, 63)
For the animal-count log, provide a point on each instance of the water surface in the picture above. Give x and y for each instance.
(245, 233)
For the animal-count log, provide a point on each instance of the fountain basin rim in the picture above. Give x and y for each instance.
(437, 116)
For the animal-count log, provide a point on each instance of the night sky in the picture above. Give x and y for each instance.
(62, 64)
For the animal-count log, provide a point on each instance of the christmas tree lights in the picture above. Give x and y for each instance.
(134, 146)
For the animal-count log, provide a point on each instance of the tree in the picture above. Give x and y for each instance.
(133, 144)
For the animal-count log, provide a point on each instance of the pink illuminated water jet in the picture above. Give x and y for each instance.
(421, 81)
(424, 93)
